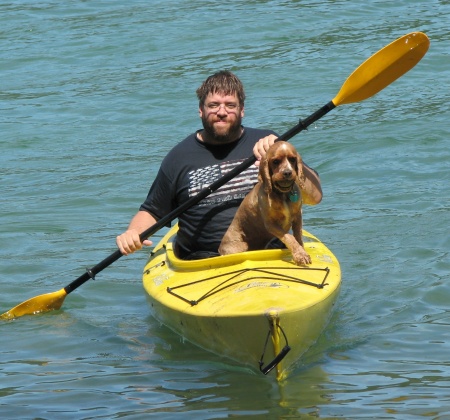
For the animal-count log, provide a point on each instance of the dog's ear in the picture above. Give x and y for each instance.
(300, 175)
(264, 175)
(299, 163)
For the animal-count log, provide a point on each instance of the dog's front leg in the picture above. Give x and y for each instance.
(299, 254)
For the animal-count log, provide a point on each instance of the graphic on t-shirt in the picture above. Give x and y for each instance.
(236, 188)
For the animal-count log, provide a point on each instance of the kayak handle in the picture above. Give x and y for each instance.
(278, 358)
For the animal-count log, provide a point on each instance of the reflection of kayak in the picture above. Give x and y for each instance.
(256, 308)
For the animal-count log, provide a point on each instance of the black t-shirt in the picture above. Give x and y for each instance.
(192, 166)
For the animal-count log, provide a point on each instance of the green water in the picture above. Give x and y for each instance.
(94, 93)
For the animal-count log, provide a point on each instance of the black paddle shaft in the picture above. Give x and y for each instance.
(167, 219)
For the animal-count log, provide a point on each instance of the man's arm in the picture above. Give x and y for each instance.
(312, 192)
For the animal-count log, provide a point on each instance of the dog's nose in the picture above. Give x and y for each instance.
(287, 173)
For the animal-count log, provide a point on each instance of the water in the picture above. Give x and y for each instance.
(94, 93)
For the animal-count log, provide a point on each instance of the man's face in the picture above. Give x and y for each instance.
(222, 117)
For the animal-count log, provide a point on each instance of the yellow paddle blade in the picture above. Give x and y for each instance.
(36, 305)
(382, 68)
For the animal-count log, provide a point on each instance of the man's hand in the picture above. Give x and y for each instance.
(261, 147)
(129, 242)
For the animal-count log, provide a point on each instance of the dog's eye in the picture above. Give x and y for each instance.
(292, 160)
(276, 162)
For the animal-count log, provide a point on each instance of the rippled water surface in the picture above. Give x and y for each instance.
(94, 93)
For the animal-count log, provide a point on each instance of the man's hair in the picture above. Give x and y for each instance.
(223, 82)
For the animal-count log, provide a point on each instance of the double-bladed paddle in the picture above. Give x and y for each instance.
(373, 75)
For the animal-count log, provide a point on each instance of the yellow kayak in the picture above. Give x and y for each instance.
(257, 308)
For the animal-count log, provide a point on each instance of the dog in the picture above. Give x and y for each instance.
(272, 207)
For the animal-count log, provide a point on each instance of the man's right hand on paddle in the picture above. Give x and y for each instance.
(129, 241)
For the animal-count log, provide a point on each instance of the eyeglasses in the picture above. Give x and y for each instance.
(215, 107)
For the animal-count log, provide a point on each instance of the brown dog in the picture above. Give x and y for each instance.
(272, 207)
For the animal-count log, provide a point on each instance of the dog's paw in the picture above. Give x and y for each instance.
(302, 258)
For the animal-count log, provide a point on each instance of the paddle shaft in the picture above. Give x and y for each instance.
(167, 219)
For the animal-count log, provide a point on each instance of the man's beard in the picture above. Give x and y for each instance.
(228, 136)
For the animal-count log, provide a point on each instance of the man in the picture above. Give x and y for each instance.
(197, 162)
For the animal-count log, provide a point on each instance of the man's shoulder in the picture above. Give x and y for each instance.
(257, 133)
(186, 142)
(184, 145)
(188, 152)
